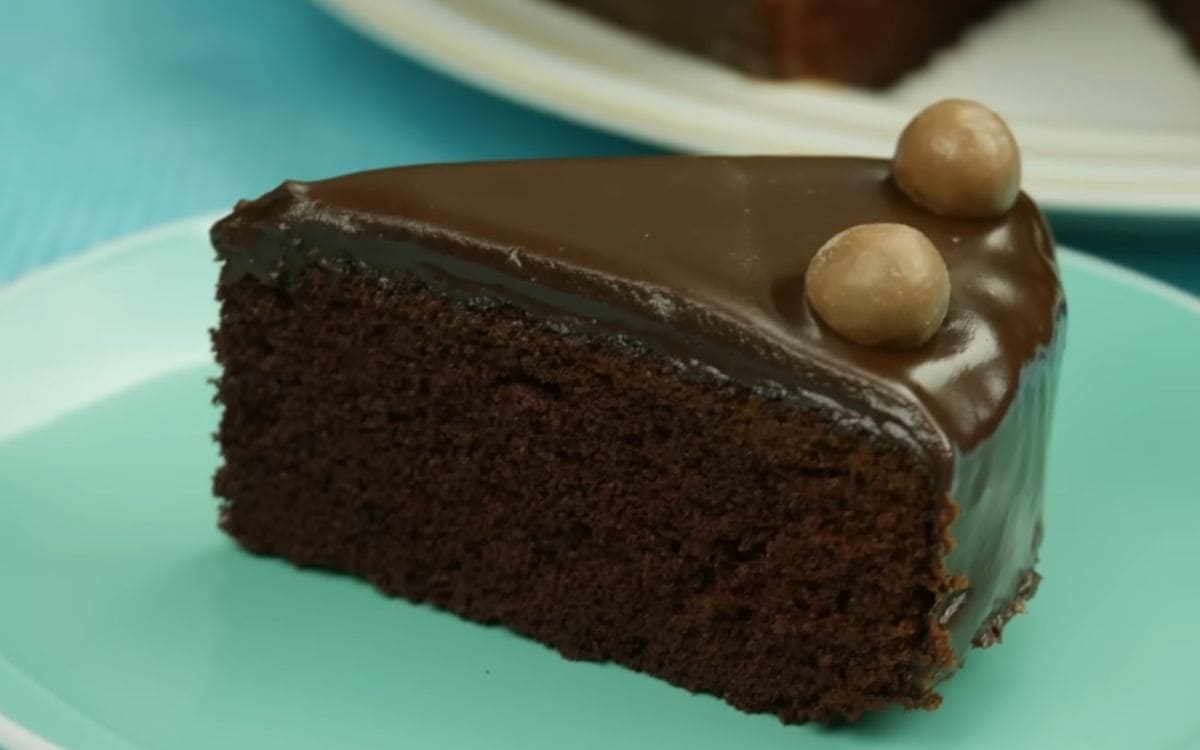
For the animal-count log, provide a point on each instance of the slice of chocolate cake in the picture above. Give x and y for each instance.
(767, 428)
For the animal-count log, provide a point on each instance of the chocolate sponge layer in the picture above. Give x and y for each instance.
(581, 491)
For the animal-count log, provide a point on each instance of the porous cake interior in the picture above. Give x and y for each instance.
(580, 491)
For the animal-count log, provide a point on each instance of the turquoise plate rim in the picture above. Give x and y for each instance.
(13, 736)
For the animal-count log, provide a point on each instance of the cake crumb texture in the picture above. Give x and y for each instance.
(579, 492)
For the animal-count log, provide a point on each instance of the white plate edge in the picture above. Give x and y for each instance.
(1082, 193)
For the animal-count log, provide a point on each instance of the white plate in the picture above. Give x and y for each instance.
(1104, 98)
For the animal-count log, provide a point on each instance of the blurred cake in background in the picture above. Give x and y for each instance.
(866, 42)
(1185, 15)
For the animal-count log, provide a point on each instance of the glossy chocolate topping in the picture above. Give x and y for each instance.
(714, 245)
(704, 259)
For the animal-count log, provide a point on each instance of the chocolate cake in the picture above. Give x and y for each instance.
(866, 42)
(610, 405)
(870, 42)
(1185, 16)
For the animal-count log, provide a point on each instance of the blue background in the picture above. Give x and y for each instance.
(116, 115)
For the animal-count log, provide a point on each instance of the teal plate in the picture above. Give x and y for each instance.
(127, 621)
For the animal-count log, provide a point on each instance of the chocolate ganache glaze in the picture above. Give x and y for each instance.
(703, 259)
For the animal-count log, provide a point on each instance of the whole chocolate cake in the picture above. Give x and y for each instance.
(871, 42)
(868, 42)
(769, 428)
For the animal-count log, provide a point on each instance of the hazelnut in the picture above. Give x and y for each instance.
(880, 285)
(958, 158)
